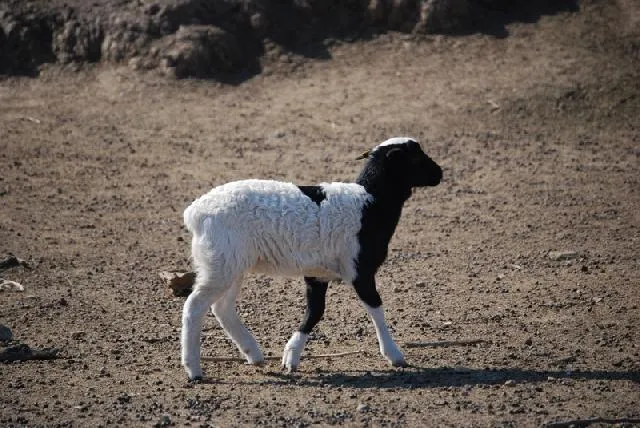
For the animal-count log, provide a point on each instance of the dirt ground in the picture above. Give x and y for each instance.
(539, 136)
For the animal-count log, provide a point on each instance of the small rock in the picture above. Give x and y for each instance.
(528, 342)
(164, 421)
(619, 363)
(363, 407)
(6, 285)
(5, 333)
(12, 261)
(562, 255)
(76, 335)
(510, 382)
(566, 360)
(63, 302)
(259, 23)
(180, 283)
(421, 284)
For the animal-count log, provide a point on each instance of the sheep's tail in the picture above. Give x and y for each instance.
(193, 220)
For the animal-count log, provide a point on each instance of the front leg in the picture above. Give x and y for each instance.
(366, 290)
(316, 297)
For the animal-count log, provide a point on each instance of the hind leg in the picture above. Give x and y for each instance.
(225, 311)
(316, 296)
(207, 290)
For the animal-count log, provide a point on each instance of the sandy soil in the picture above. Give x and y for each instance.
(539, 136)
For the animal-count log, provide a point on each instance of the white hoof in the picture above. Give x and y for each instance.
(399, 363)
(291, 359)
(293, 351)
(255, 357)
(394, 356)
(193, 373)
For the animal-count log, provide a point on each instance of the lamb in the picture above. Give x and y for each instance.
(326, 232)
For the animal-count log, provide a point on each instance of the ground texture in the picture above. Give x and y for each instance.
(539, 136)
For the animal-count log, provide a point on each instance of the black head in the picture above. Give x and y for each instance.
(404, 162)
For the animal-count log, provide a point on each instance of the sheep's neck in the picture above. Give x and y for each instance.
(383, 186)
(389, 195)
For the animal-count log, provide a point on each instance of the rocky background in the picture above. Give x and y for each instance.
(227, 39)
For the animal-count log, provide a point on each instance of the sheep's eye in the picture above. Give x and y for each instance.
(415, 160)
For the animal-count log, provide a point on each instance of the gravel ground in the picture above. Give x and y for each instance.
(518, 275)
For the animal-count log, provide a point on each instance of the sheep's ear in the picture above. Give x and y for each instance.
(364, 155)
(393, 154)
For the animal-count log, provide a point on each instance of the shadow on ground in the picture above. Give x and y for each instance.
(498, 15)
(422, 377)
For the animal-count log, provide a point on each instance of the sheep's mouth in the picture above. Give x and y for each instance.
(433, 181)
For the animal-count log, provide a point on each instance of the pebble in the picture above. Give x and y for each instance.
(510, 382)
(180, 283)
(5, 333)
(362, 407)
(77, 335)
(7, 285)
(562, 255)
(164, 421)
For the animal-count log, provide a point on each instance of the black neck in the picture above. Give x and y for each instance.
(389, 195)
(380, 217)
(383, 185)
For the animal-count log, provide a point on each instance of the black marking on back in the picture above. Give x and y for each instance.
(315, 193)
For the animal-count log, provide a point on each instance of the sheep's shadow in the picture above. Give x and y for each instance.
(425, 377)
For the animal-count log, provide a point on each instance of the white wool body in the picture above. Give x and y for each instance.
(271, 227)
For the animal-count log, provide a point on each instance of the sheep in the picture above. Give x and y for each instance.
(326, 232)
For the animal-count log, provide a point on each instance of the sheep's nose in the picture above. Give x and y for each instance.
(436, 176)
